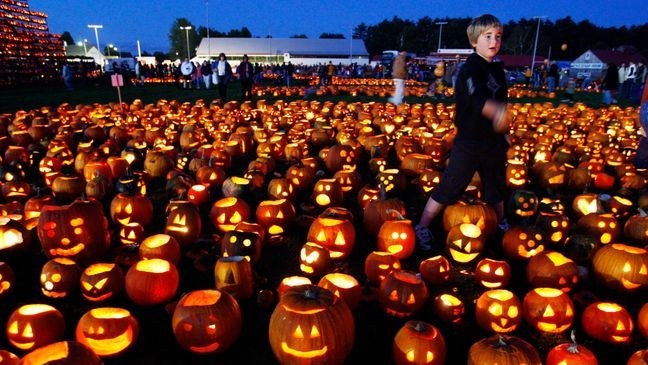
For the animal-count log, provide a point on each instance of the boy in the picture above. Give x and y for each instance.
(482, 123)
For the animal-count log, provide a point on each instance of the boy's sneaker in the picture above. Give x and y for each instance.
(424, 238)
(503, 225)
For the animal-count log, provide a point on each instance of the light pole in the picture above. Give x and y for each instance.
(440, 24)
(535, 44)
(187, 29)
(208, 41)
(96, 27)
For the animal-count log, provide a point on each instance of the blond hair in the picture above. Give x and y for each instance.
(480, 24)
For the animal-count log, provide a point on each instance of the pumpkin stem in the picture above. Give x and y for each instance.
(309, 293)
(395, 213)
(419, 326)
(642, 212)
(501, 341)
(573, 347)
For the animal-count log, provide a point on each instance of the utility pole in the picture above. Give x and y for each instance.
(187, 29)
(95, 27)
(440, 24)
(535, 44)
(208, 41)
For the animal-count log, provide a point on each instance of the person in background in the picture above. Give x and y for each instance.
(552, 77)
(610, 84)
(641, 158)
(224, 75)
(206, 72)
(630, 75)
(482, 123)
(187, 70)
(399, 75)
(245, 72)
(66, 73)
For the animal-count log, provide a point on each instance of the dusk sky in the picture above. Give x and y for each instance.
(126, 21)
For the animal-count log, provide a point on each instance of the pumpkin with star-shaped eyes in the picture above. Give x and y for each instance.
(548, 310)
(206, 321)
(498, 311)
(108, 331)
(311, 325)
(621, 267)
(34, 325)
(101, 281)
(418, 342)
(59, 277)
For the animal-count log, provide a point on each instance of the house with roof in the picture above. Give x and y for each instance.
(593, 62)
(279, 50)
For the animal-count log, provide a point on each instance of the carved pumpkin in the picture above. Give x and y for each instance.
(311, 325)
(291, 281)
(477, 213)
(242, 243)
(522, 204)
(552, 269)
(503, 350)
(234, 275)
(522, 243)
(275, 216)
(402, 294)
(397, 236)
(640, 357)
(607, 322)
(493, 274)
(183, 222)
(62, 353)
(108, 331)
(555, 227)
(605, 227)
(127, 208)
(621, 267)
(207, 321)
(314, 260)
(327, 193)
(59, 277)
(160, 246)
(131, 234)
(14, 237)
(151, 282)
(465, 242)
(636, 227)
(34, 325)
(448, 307)
(435, 270)
(548, 310)
(334, 230)
(101, 281)
(379, 211)
(498, 311)
(345, 286)
(226, 213)
(380, 264)
(418, 342)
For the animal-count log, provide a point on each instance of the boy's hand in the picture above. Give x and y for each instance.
(501, 119)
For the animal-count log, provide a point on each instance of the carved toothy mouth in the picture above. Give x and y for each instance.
(303, 354)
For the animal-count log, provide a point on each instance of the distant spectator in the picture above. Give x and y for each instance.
(206, 72)
(399, 75)
(610, 84)
(66, 73)
(224, 75)
(552, 76)
(245, 72)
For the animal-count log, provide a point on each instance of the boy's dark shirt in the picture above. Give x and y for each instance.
(478, 81)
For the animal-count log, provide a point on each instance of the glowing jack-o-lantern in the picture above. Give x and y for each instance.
(183, 222)
(552, 269)
(126, 208)
(522, 243)
(349, 180)
(448, 307)
(475, 212)
(402, 294)
(465, 242)
(607, 322)
(428, 180)
(435, 270)
(291, 281)
(327, 193)
(621, 267)
(281, 188)
(418, 342)
(314, 260)
(605, 227)
(333, 231)
(160, 246)
(226, 213)
(380, 264)
(233, 275)
(516, 175)
(585, 204)
(131, 234)
(14, 237)
(152, 282)
(101, 281)
(276, 216)
(59, 277)
(35, 325)
(108, 331)
(207, 321)
(63, 352)
(397, 236)
(548, 310)
(493, 274)
(311, 325)
(301, 176)
(522, 204)
(498, 311)
(242, 243)
(344, 286)
(555, 227)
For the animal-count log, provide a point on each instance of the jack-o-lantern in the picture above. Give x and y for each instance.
(152, 282)
(160, 246)
(77, 231)
(475, 212)
(233, 274)
(493, 274)
(504, 350)
(607, 322)
(183, 222)
(415, 163)
(418, 342)
(522, 204)
(16, 190)
(34, 325)
(522, 243)
(428, 180)
(108, 331)
(397, 236)
(498, 311)
(14, 237)
(311, 325)
(126, 208)
(585, 204)
(393, 181)
(7, 280)
(198, 194)
(621, 267)
(8, 358)
(605, 227)
(465, 242)
(516, 175)
(64, 353)
(366, 195)
(569, 353)
(314, 260)
(435, 270)
(275, 216)
(349, 180)
(402, 294)
(226, 213)
(334, 230)
(448, 307)
(555, 227)
(131, 234)
(101, 281)
(281, 188)
(550, 175)
(327, 193)
(235, 186)
(242, 243)
(341, 157)
(291, 281)
(379, 211)
(345, 286)
(548, 310)
(59, 277)
(636, 227)
(207, 321)
(380, 264)
(552, 269)
(301, 176)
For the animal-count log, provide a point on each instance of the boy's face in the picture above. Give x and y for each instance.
(488, 43)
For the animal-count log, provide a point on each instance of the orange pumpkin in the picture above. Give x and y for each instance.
(418, 342)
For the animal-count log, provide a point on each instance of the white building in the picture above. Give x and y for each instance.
(89, 50)
(278, 50)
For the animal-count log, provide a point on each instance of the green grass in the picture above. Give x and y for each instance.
(27, 98)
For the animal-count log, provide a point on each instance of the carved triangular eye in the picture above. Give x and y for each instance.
(229, 278)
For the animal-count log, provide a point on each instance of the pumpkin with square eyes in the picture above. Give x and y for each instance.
(108, 331)
(493, 274)
(34, 325)
(418, 342)
(101, 281)
(402, 294)
(498, 311)
(59, 277)
(310, 325)
(548, 310)
(206, 321)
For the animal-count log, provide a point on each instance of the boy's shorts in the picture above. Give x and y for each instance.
(465, 160)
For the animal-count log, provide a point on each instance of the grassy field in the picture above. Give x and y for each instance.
(26, 98)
